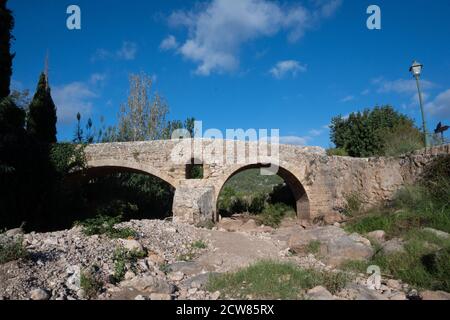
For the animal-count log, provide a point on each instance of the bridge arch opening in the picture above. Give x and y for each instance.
(284, 187)
(131, 192)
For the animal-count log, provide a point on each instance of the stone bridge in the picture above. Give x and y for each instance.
(320, 183)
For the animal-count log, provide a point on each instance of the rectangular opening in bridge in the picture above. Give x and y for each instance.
(194, 170)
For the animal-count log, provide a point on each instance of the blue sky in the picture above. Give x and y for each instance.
(288, 65)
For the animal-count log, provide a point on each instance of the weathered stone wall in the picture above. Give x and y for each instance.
(321, 182)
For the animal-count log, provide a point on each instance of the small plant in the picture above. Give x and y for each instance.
(273, 214)
(353, 204)
(199, 244)
(340, 152)
(102, 224)
(313, 247)
(121, 258)
(165, 267)
(90, 284)
(12, 249)
(207, 224)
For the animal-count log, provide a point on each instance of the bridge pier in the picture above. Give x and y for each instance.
(194, 204)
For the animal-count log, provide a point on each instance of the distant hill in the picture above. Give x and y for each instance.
(251, 181)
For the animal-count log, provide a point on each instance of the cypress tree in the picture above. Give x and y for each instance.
(41, 121)
(6, 26)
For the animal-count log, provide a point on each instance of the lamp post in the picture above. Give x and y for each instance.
(416, 70)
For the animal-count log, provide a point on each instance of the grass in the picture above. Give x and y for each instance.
(199, 244)
(102, 224)
(121, 258)
(274, 280)
(273, 214)
(11, 250)
(313, 247)
(90, 284)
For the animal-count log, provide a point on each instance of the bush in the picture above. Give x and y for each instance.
(121, 258)
(340, 152)
(257, 203)
(402, 139)
(90, 284)
(353, 204)
(273, 214)
(12, 249)
(106, 225)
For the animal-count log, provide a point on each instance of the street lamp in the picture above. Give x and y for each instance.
(416, 70)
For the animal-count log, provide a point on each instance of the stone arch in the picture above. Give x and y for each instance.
(130, 166)
(294, 183)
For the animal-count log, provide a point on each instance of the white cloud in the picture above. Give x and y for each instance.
(401, 85)
(72, 98)
(128, 52)
(97, 78)
(217, 30)
(169, 43)
(440, 106)
(348, 98)
(283, 68)
(316, 132)
(294, 140)
(365, 92)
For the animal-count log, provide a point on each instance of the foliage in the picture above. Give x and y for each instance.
(6, 57)
(41, 120)
(199, 244)
(274, 280)
(67, 158)
(11, 249)
(401, 139)
(121, 258)
(106, 225)
(363, 134)
(353, 204)
(90, 284)
(273, 214)
(313, 247)
(340, 152)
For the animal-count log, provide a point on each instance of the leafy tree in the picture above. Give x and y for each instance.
(41, 121)
(363, 134)
(6, 57)
(143, 117)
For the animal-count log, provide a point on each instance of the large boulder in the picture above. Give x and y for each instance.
(319, 293)
(336, 245)
(435, 295)
(148, 284)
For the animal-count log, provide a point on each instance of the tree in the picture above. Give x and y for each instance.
(6, 57)
(41, 121)
(143, 117)
(363, 134)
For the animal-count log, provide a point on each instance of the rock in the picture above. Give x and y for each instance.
(155, 259)
(148, 284)
(39, 294)
(215, 295)
(250, 225)
(338, 245)
(332, 218)
(73, 281)
(131, 245)
(14, 232)
(394, 284)
(413, 295)
(393, 246)
(319, 293)
(229, 224)
(140, 298)
(176, 276)
(438, 233)
(398, 296)
(378, 235)
(129, 275)
(355, 291)
(192, 291)
(435, 295)
(160, 296)
(186, 267)
(198, 281)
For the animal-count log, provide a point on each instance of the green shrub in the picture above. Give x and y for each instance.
(273, 214)
(106, 225)
(353, 204)
(313, 247)
(274, 280)
(340, 152)
(402, 139)
(121, 257)
(257, 203)
(11, 250)
(90, 284)
(199, 244)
